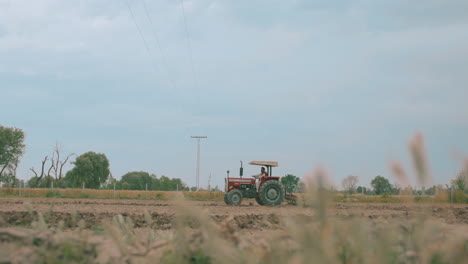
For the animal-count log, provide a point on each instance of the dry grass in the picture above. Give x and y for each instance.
(441, 197)
(124, 194)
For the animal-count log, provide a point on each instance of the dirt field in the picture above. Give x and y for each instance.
(58, 230)
(21, 211)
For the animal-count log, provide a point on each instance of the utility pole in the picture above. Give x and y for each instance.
(198, 160)
(209, 185)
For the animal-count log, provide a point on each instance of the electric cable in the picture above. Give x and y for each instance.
(189, 44)
(137, 26)
(158, 44)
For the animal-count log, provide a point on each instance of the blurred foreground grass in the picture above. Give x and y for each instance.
(196, 237)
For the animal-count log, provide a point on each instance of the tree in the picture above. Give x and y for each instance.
(11, 150)
(58, 163)
(461, 181)
(139, 180)
(361, 189)
(37, 179)
(54, 173)
(381, 185)
(349, 184)
(91, 168)
(36, 182)
(396, 189)
(290, 182)
(431, 190)
(168, 184)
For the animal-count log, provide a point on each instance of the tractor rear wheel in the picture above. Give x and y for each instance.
(234, 197)
(271, 193)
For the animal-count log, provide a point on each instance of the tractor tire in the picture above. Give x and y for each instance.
(234, 197)
(258, 200)
(271, 193)
(226, 199)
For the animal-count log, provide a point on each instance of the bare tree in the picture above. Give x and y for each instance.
(57, 164)
(40, 176)
(55, 167)
(349, 183)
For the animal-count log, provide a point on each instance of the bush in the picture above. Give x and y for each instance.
(9, 191)
(424, 199)
(53, 193)
(460, 197)
(442, 196)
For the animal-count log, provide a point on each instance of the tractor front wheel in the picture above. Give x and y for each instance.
(271, 193)
(234, 197)
(258, 200)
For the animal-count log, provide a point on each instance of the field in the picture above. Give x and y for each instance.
(48, 230)
(108, 194)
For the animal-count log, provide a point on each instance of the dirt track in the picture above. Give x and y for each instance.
(21, 211)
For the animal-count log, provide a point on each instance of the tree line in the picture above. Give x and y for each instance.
(381, 186)
(90, 170)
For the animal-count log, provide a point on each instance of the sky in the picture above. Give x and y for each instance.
(339, 84)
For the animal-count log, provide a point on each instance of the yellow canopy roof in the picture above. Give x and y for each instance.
(264, 163)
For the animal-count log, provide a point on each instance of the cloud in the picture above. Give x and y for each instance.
(328, 74)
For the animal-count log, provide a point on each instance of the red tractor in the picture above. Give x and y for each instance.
(269, 191)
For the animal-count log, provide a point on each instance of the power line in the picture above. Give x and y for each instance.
(189, 44)
(158, 43)
(137, 26)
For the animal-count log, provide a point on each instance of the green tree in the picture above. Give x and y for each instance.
(290, 182)
(11, 150)
(461, 181)
(91, 168)
(428, 191)
(381, 185)
(45, 182)
(361, 189)
(138, 180)
(177, 184)
(168, 184)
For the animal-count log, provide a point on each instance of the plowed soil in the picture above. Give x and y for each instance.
(92, 212)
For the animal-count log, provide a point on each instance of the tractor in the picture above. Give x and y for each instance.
(270, 191)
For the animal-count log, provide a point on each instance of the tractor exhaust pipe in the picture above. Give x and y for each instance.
(241, 170)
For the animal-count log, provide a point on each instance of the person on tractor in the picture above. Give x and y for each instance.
(259, 176)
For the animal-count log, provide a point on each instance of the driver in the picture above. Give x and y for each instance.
(259, 176)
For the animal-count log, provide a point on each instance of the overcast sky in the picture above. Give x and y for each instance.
(345, 84)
